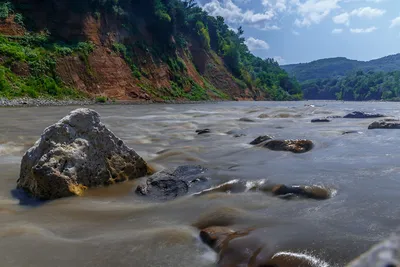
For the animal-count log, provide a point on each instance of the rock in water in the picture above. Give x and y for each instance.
(295, 146)
(384, 125)
(320, 120)
(261, 139)
(203, 131)
(170, 184)
(77, 153)
(362, 115)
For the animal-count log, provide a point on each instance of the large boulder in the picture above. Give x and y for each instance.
(362, 115)
(172, 183)
(77, 153)
(384, 125)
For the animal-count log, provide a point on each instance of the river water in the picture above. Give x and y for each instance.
(114, 227)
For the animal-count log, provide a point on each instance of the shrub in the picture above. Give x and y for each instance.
(101, 99)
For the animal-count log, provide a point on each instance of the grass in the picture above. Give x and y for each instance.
(41, 59)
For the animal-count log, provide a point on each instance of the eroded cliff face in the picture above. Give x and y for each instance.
(108, 73)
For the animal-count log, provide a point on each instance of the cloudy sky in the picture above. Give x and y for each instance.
(294, 31)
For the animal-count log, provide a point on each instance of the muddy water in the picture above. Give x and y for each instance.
(114, 227)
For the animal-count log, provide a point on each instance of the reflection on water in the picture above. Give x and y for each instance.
(114, 226)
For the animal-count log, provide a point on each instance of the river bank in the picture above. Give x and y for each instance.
(46, 102)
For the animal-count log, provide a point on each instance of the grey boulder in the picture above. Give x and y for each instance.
(77, 153)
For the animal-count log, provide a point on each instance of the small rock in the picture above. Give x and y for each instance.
(384, 125)
(214, 236)
(203, 131)
(314, 192)
(334, 117)
(349, 132)
(263, 116)
(77, 153)
(362, 115)
(295, 146)
(261, 139)
(246, 120)
(170, 184)
(320, 120)
(236, 133)
(391, 119)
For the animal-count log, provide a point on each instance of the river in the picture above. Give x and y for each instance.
(115, 227)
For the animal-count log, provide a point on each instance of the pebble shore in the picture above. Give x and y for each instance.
(40, 102)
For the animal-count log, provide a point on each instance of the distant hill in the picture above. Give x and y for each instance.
(345, 79)
(340, 66)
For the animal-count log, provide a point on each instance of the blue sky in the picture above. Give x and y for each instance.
(293, 31)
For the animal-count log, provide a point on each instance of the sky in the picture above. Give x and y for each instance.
(299, 31)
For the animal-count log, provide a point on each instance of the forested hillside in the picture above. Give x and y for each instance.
(345, 79)
(130, 50)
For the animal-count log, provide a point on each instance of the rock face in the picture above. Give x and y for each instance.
(384, 125)
(170, 184)
(295, 146)
(362, 115)
(77, 153)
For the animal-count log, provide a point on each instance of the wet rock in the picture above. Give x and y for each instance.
(313, 192)
(391, 119)
(170, 184)
(384, 125)
(362, 115)
(260, 139)
(280, 190)
(77, 153)
(263, 116)
(350, 132)
(320, 120)
(334, 117)
(384, 254)
(203, 131)
(246, 120)
(246, 248)
(295, 146)
(236, 133)
(214, 236)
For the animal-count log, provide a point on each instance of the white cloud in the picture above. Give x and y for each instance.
(395, 22)
(276, 5)
(342, 18)
(233, 14)
(313, 11)
(368, 12)
(295, 32)
(256, 44)
(364, 30)
(337, 31)
(279, 59)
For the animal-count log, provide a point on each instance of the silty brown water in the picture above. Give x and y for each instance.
(114, 227)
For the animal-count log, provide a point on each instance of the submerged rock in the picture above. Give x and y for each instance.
(246, 120)
(320, 120)
(263, 116)
(362, 115)
(295, 146)
(236, 133)
(260, 139)
(350, 132)
(384, 125)
(203, 131)
(384, 254)
(313, 192)
(246, 248)
(170, 184)
(283, 191)
(77, 153)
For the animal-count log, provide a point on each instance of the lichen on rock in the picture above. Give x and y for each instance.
(77, 153)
